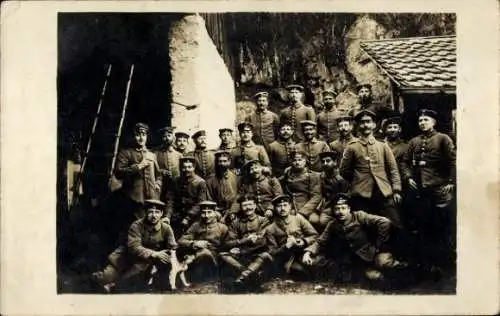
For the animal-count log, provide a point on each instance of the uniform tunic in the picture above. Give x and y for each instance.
(204, 162)
(223, 189)
(279, 153)
(304, 188)
(340, 144)
(264, 189)
(293, 114)
(242, 154)
(241, 228)
(168, 161)
(215, 233)
(399, 148)
(265, 127)
(327, 124)
(189, 193)
(312, 149)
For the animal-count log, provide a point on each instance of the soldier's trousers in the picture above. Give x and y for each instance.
(380, 205)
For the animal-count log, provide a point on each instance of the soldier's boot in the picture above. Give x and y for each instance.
(252, 268)
(233, 263)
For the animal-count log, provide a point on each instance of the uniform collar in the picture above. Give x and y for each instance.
(141, 149)
(429, 134)
(151, 228)
(393, 142)
(370, 140)
(249, 219)
(297, 105)
(248, 145)
(199, 150)
(312, 141)
(290, 141)
(348, 138)
(209, 225)
(260, 111)
(286, 220)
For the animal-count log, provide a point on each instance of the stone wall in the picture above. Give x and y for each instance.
(199, 78)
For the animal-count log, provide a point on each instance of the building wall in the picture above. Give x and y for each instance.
(199, 78)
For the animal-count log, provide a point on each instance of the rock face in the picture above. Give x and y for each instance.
(202, 89)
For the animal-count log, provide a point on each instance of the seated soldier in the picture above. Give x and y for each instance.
(302, 185)
(246, 243)
(263, 187)
(348, 241)
(288, 236)
(204, 239)
(150, 242)
(331, 184)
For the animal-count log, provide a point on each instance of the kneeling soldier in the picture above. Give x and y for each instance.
(246, 242)
(349, 234)
(288, 235)
(150, 242)
(204, 238)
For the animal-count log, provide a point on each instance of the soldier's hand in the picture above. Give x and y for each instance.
(253, 238)
(412, 184)
(143, 164)
(397, 198)
(201, 244)
(447, 189)
(306, 259)
(185, 222)
(162, 256)
(235, 251)
(268, 213)
(290, 242)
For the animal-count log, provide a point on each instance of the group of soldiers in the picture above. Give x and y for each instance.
(306, 194)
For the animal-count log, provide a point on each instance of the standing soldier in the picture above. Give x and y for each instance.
(168, 157)
(264, 188)
(332, 184)
(205, 164)
(327, 119)
(247, 150)
(392, 131)
(246, 242)
(223, 185)
(296, 111)
(311, 146)
(226, 139)
(429, 168)
(280, 150)
(265, 123)
(182, 142)
(365, 102)
(372, 171)
(288, 236)
(205, 238)
(191, 189)
(344, 126)
(138, 168)
(303, 186)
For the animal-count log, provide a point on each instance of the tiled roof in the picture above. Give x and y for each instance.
(417, 62)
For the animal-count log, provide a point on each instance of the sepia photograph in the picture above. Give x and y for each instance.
(257, 153)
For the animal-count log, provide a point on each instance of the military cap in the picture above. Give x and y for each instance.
(341, 198)
(242, 125)
(207, 204)
(297, 152)
(329, 92)
(199, 133)
(344, 117)
(141, 127)
(391, 120)
(307, 122)
(281, 197)
(153, 203)
(363, 85)
(245, 197)
(169, 129)
(291, 87)
(261, 93)
(225, 129)
(219, 153)
(187, 158)
(331, 153)
(362, 113)
(181, 135)
(427, 112)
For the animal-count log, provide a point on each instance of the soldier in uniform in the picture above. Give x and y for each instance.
(279, 150)
(297, 111)
(247, 150)
(332, 184)
(205, 162)
(429, 168)
(371, 169)
(263, 187)
(265, 122)
(190, 190)
(182, 142)
(223, 185)
(205, 239)
(138, 168)
(344, 126)
(150, 242)
(347, 243)
(392, 131)
(246, 244)
(226, 139)
(327, 119)
(302, 185)
(365, 102)
(311, 146)
(288, 236)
